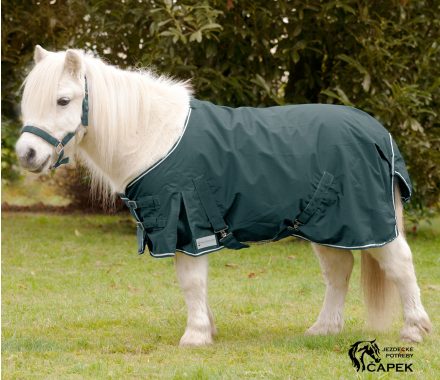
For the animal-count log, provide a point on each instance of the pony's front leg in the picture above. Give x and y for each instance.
(336, 267)
(192, 273)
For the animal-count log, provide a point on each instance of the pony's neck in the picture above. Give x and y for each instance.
(135, 119)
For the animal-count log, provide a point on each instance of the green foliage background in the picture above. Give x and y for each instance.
(382, 57)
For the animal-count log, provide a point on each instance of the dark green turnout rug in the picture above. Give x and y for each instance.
(324, 173)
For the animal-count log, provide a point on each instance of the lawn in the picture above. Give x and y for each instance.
(78, 303)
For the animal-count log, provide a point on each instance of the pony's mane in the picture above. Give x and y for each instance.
(121, 103)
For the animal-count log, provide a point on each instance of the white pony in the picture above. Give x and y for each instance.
(135, 119)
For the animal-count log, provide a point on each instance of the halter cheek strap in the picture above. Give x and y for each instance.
(85, 105)
(59, 145)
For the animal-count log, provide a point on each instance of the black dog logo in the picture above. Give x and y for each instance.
(360, 349)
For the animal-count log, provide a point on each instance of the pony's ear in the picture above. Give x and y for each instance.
(40, 53)
(73, 62)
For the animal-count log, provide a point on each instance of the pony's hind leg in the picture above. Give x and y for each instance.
(336, 265)
(395, 260)
(192, 273)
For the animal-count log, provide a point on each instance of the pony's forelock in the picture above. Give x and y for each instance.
(41, 85)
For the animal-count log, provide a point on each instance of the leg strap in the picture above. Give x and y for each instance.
(314, 204)
(212, 211)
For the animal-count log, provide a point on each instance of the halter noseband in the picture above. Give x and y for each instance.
(59, 145)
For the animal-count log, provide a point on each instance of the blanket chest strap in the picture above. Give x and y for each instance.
(140, 230)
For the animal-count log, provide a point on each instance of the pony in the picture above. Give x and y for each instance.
(358, 350)
(134, 119)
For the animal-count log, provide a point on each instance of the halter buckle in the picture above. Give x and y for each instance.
(59, 148)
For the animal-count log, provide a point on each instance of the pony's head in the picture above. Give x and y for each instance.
(52, 109)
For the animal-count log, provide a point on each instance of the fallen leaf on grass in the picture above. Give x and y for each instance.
(77, 233)
(434, 287)
(231, 265)
(291, 257)
(252, 275)
(133, 289)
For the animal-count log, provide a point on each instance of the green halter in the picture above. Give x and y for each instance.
(59, 145)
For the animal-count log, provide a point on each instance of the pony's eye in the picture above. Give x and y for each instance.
(63, 101)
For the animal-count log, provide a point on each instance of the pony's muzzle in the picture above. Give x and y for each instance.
(34, 157)
(27, 157)
(30, 155)
(29, 162)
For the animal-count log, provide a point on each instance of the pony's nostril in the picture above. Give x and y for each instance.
(30, 154)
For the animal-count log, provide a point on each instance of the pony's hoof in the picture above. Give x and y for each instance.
(193, 338)
(411, 334)
(322, 328)
(425, 325)
(415, 331)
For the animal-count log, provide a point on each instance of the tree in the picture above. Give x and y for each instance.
(382, 57)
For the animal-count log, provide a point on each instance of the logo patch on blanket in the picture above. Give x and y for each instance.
(207, 241)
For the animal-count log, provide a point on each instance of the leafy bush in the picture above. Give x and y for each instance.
(10, 171)
(382, 57)
(74, 183)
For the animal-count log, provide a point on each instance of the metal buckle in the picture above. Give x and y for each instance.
(131, 204)
(59, 148)
(296, 224)
(140, 225)
(223, 232)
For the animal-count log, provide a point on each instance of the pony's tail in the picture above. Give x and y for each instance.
(381, 296)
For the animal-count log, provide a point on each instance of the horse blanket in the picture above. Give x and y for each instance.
(324, 173)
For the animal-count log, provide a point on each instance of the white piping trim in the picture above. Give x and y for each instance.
(392, 185)
(406, 184)
(342, 247)
(164, 158)
(159, 255)
(372, 245)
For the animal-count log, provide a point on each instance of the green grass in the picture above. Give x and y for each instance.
(78, 303)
